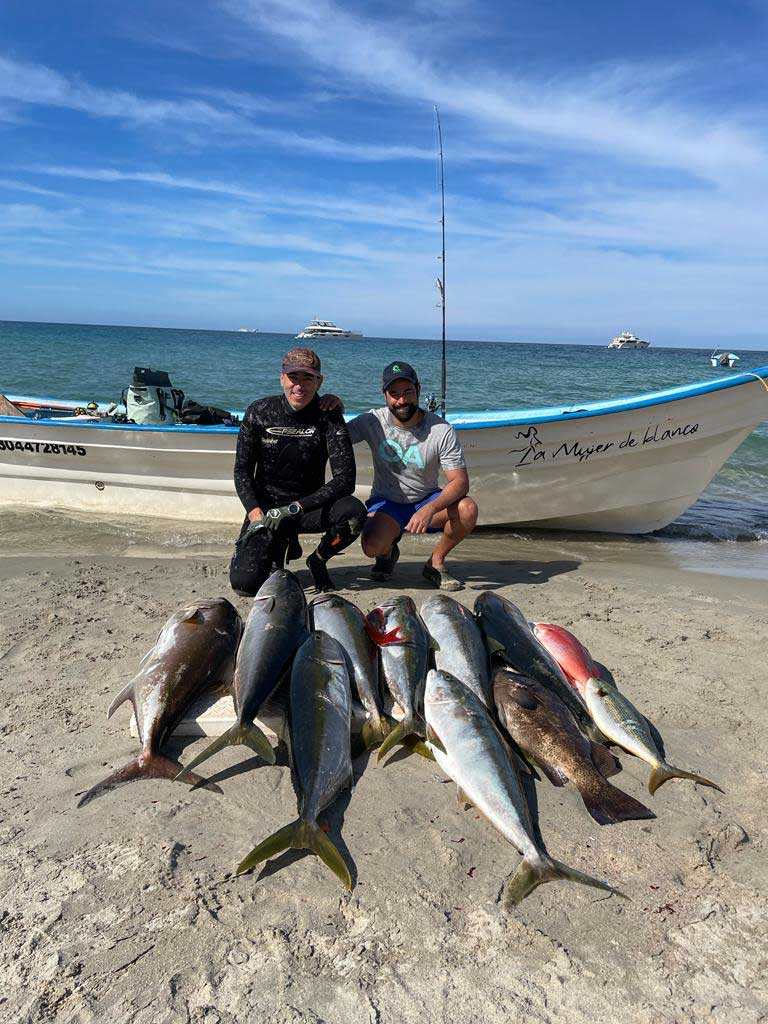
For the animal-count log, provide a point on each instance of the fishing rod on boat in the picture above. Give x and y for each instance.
(441, 279)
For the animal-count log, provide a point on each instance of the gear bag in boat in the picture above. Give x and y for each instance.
(194, 414)
(151, 399)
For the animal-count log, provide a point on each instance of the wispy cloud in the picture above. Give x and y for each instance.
(604, 110)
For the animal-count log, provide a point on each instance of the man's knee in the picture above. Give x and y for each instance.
(245, 584)
(373, 546)
(468, 512)
(349, 510)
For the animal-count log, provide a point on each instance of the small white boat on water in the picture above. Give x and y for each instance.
(247, 330)
(725, 359)
(628, 340)
(627, 465)
(325, 329)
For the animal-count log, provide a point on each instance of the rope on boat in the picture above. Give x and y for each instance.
(748, 373)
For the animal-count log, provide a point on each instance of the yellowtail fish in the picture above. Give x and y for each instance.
(471, 751)
(619, 720)
(320, 722)
(404, 646)
(345, 622)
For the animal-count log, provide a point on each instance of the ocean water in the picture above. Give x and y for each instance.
(230, 369)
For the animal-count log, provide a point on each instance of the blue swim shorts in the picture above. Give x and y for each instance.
(401, 512)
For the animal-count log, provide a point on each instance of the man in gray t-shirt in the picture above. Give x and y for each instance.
(409, 448)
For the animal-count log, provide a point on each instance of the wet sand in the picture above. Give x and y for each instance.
(127, 910)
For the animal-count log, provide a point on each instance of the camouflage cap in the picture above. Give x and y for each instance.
(302, 360)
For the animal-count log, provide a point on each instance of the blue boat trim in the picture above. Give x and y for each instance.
(459, 420)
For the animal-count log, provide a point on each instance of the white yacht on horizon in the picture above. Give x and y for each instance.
(628, 340)
(326, 329)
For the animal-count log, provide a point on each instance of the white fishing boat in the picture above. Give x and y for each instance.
(724, 359)
(627, 465)
(628, 340)
(326, 329)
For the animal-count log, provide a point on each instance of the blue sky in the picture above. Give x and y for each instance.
(259, 162)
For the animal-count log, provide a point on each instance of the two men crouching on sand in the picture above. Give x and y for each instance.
(284, 445)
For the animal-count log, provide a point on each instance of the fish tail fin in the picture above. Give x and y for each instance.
(146, 766)
(244, 733)
(407, 727)
(375, 731)
(664, 772)
(418, 746)
(608, 805)
(531, 875)
(299, 835)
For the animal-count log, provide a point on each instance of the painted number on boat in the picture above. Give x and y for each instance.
(43, 447)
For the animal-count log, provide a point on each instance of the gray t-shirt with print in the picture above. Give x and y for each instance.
(406, 461)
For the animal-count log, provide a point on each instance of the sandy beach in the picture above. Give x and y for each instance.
(128, 910)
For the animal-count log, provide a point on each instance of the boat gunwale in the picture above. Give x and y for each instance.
(472, 420)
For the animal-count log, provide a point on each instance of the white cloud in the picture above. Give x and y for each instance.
(603, 111)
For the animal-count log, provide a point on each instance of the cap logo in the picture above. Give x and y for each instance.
(396, 368)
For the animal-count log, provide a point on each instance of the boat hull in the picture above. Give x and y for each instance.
(629, 466)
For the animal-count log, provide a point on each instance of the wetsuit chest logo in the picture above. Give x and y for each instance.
(292, 431)
(391, 451)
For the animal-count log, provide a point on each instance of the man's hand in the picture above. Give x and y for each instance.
(275, 516)
(331, 403)
(255, 515)
(420, 520)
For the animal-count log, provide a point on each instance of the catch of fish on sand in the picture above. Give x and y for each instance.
(488, 695)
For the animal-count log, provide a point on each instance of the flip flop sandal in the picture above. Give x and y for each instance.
(441, 579)
(384, 566)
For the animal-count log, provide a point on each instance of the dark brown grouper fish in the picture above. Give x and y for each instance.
(194, 653)
(544, 729)
(320, 720)
(344, 621)
(404, 643)
(507, 632)
(275, 629)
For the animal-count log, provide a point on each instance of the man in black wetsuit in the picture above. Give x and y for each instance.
(284, 445)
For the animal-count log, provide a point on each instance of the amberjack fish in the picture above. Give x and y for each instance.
(507, 630)
(472, 752)
(544, 729)
(274, 630)
(404, 646)
(344, 621)
(615, 715)
(459, 646)
(320, 720)
(194, 653)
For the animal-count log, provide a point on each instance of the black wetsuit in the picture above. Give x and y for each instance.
(281, 457)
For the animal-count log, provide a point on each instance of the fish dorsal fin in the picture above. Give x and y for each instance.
(194, 615)
(269, 602)
(125, 694)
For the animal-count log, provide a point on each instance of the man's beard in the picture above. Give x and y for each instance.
(405, 413)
